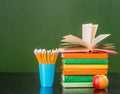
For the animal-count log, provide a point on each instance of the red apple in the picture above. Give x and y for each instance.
(100, 81)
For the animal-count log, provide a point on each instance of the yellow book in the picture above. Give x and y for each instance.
(86, 66)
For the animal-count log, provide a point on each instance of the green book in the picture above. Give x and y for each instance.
(75, 78)
(85, 61)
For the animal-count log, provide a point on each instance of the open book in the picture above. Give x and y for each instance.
(88, 43)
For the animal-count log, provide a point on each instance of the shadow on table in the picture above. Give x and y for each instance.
(84, 91)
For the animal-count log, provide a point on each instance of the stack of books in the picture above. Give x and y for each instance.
(80, 68)
(84, 58)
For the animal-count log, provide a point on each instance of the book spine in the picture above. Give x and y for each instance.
(84, 71)
(86, 84)
(85, 66)
(85, 61)
(85, 55)
(78, 78)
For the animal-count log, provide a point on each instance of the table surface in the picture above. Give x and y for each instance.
(28, 83)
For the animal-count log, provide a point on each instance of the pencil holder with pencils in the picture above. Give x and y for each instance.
(46, 60)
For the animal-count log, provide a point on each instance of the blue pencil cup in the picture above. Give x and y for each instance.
(46, 73)
(46, 90)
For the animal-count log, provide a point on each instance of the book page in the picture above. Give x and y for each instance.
(107, 51)
(100, 38)
(94, 30)
(62, 50)
(86, 33)
(74, 40)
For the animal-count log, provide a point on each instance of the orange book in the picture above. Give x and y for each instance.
(84, 71)
(85, 66)
(85, 55)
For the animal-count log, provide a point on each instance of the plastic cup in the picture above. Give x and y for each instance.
(46, 90)
(47, 74)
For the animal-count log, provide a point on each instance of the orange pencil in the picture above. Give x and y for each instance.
(46, 56)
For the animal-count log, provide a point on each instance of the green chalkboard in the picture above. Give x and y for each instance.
(29, 24)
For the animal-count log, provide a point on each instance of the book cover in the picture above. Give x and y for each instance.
(85, 55)
(80, 84)
(84, 61)
(84, 71)
(85, 66)
(79, 78)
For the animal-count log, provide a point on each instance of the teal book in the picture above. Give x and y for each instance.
(85, 61)
(80, 84)
(75, 78)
